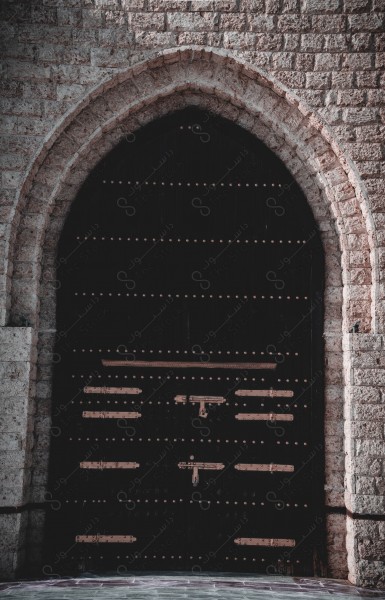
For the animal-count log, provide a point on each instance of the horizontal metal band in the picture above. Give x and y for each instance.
(264, 467)
(108, 465)
(186, 365)
(263, 417)
(106, 414)
(272, 542)
(197, 399)
(201, 465)
(266, 393)
(111, 390)
(105, 539)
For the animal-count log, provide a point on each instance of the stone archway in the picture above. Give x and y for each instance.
(217, 82)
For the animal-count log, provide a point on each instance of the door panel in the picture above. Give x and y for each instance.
(187, 405)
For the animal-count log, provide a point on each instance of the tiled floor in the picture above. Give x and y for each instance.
(197, 587)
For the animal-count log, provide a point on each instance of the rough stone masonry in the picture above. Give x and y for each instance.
(305, 76)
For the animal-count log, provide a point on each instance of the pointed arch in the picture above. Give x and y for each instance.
(216, 82)
(227, 86)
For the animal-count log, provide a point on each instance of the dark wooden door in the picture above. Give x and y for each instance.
(187, 406)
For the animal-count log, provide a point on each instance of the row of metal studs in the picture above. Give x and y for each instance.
(196, 183)
(200, 296)
(191, 378)
(167, 402)
(121, 557)
(187, 240)
(134, 351)
(131, 439)
(173, 501)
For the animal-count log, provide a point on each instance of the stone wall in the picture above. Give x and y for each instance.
(307, 77)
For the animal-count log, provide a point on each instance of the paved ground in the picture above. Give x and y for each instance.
(175, 587)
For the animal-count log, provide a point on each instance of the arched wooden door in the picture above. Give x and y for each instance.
(187, 405)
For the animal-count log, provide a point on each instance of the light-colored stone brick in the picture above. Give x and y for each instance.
(327, 6)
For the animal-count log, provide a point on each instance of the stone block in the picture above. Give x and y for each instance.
(233, 22)
(327, 6)
(153, 39)
(352, 6)
(312, 42)
(373, 413)
(367, 79)
(375, 97)
(375, 448)
(12, 441)
(336, 42)
(365, 151)
(342, 80)
(373, 377)
(13, 486)
(367, 504)
(260, 23)
(69, 16)
(372, 549)
(327, 61)
(14, 459)
(351, 98)
(11, 422)
(304, 61)
(358, 61)
(283, 60)
(15, 344)
(360, 115)
(330, 23)
(70, 92)
(365, 465)
(367, 22)
(361, 42)
(268, 41)
(10, 371)
(370, 573)
(321, 80)
(202, 21)
(368, 360)
(293, 24)
(366, 342)
(365, 485)
(105, 57)
(142, 21)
